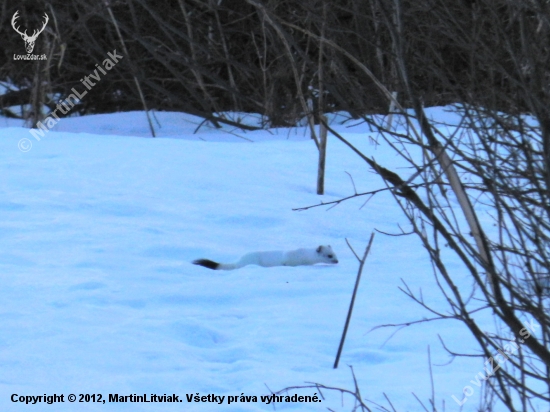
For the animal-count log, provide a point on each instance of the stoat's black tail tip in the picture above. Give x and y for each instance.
(210, 264)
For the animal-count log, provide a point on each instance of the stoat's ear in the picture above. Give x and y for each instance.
(319, 249)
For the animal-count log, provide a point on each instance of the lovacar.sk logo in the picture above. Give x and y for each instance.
(29, 40)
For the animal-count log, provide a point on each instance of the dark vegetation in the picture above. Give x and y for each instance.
(277, 58)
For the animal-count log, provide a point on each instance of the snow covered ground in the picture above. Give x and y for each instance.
(99, 224)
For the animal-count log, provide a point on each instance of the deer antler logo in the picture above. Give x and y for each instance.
(29, 40)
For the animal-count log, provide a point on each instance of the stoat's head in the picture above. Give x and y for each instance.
(327, 254)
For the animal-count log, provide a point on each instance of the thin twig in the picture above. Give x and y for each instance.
(352, 182)
(362, 263)
(351, 248)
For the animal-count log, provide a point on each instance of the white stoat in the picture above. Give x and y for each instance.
(298, 257)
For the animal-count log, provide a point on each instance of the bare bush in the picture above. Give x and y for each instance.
(494, 163)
